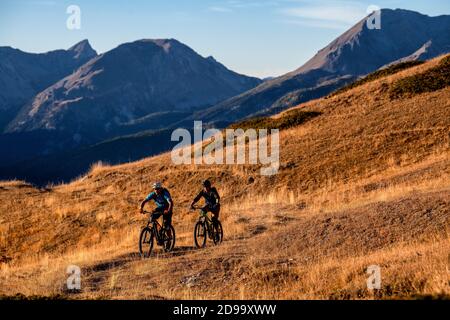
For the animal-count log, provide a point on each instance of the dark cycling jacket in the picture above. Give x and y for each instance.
(211, 197)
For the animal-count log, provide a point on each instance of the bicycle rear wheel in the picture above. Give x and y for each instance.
(218, 233)
(169, 239)
(146, 240)
(200, 234)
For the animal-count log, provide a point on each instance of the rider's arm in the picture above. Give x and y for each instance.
(149, 197)
(197, 198)
(170, 205)
(216, 194)
(143, 204)
(169, 200)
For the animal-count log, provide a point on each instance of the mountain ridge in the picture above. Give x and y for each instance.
(128, 90)
(24, 74)
(355, 53)
(157, 75)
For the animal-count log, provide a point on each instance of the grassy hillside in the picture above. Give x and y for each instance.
(433, 79)
(384, 72)
(365, 181)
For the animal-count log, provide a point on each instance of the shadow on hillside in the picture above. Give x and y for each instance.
(119, 261)
(176, 252)
(124, 259)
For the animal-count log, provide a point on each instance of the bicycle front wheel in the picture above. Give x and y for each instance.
(146, 242)
(200, 234)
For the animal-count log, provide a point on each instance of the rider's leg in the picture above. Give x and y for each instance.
(167, 220)
(205, 209)
(215, 214)
(156, 214)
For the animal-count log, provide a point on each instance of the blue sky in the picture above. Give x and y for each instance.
(255, 37)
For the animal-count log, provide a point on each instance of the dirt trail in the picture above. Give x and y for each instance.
(187, 258)
(276, 248)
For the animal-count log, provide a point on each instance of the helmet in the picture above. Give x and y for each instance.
(207, 184)
(157, 185)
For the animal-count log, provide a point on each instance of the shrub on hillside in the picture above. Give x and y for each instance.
(378, 74)
(289, 119)
(431, 80)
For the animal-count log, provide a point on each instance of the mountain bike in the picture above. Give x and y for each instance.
(154, 231)
(205, 228)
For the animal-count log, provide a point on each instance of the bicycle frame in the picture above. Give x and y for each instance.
(155, 226)
(204, 218)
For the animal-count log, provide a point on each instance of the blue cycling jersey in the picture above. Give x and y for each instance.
(162, 200)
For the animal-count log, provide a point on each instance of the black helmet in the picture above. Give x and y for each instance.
(207, 184)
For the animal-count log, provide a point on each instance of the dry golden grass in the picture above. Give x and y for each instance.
(366, 182)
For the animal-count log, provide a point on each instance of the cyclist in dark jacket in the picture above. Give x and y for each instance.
(212, 200)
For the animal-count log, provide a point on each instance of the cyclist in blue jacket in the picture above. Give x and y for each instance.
(164, 204)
